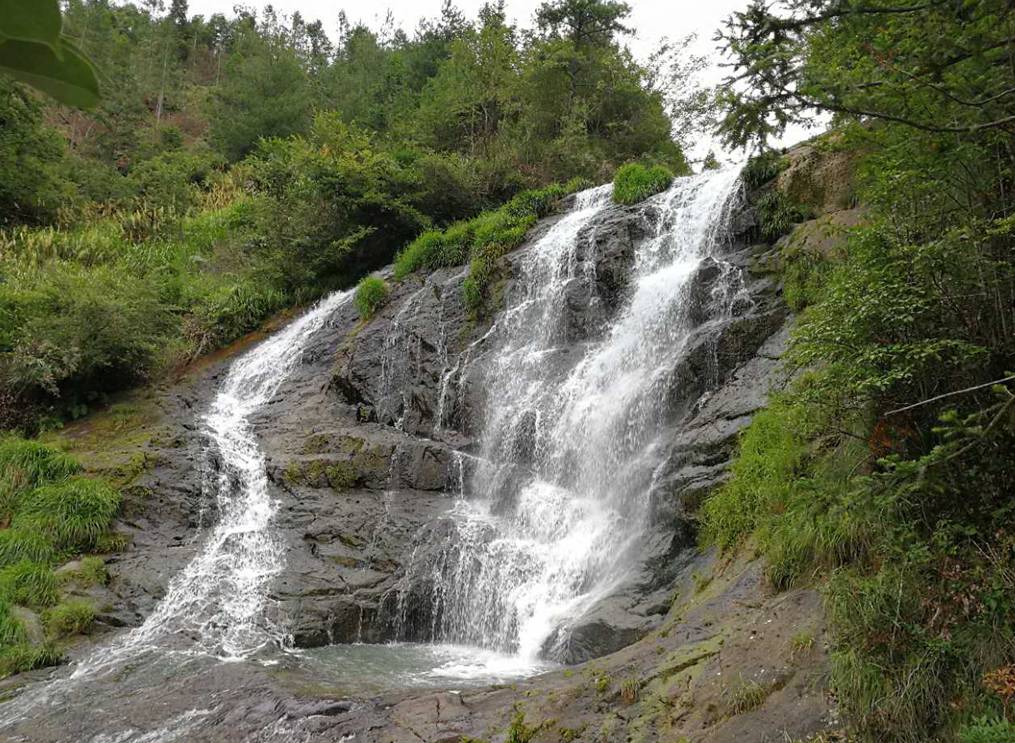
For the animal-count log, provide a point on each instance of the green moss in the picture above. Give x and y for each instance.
(635, 182)
(72, 617)
(371, 294)
(29, 584)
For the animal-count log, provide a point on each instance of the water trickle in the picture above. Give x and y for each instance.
(560, 489)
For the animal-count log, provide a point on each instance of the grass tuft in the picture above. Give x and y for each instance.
(12, 631)
(73, 617)
(29, 584)
(23, 657)
(635, 182)
(18, 545)
(73, 513)
(371, 294)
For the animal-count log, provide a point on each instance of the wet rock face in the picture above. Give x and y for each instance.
(362, 439)
(370, 439)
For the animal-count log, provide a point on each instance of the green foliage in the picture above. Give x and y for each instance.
(72, 331)
(988, 730)
(634, 182)
(73, 617)
(265, 94)
(20, 545)
(28, 584)
(33, 187)
(762, 168)
(23, 657)
(73, 513)
(777, 214)
(11, 630)
(906, 513)
(371, 294)
(27, 464)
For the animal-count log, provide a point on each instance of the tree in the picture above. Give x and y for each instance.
(584, 22)
(264, 93)
(32, 186)
(934, 66)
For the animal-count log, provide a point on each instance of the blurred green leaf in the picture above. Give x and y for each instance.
(68, 77)
(31, 20)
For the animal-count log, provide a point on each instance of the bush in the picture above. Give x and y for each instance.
(74, 332)
(777, 215)
(28, 584)
(371, 294)
(70, 618)
(634, 182)
(73, 513)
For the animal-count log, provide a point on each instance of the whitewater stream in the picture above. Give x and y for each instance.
(547, 519)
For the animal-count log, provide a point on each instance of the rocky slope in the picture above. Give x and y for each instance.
(367, 443)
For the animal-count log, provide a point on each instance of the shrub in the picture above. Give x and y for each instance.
(28, 584)
(75, 331)
(371, 294)
(634, 182)
(72, 617)
(73, 513)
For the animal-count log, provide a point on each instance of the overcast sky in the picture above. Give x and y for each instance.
(652, 21)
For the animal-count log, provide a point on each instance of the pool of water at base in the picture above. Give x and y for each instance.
(396, 666)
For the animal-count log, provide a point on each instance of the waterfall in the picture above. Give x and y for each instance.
(217, 605)
(559, 495)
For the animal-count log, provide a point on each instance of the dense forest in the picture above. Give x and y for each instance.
(235, 167)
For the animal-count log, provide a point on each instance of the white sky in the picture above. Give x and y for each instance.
(652, 20)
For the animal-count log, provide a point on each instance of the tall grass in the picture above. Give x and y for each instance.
(29, 584)
(73, 513)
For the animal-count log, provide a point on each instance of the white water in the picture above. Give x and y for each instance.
(559, 497)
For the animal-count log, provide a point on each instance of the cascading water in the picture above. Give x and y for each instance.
(559, 494)
(217, 606)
